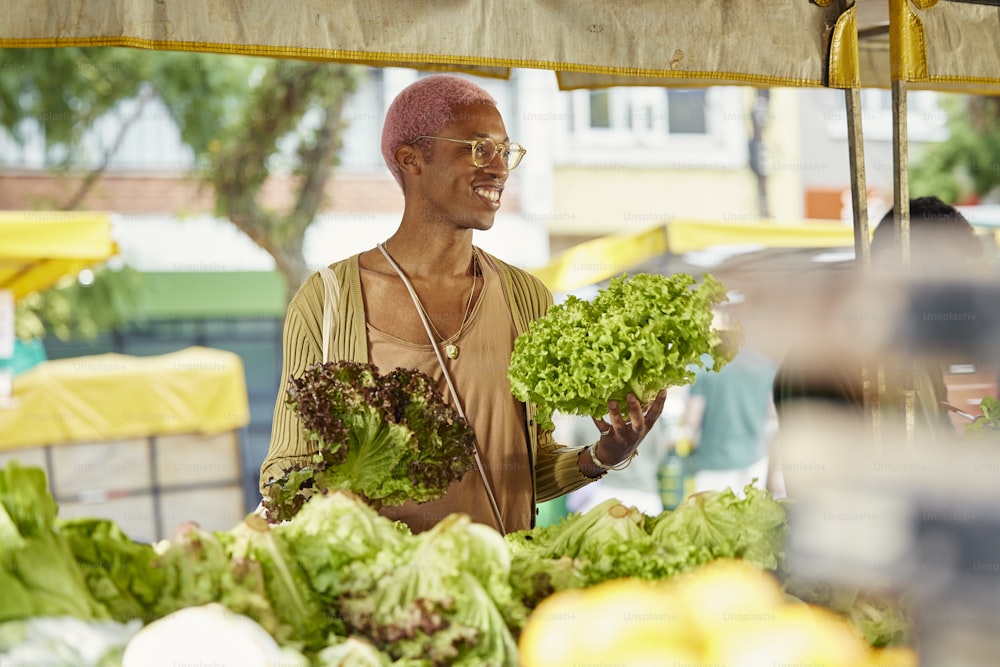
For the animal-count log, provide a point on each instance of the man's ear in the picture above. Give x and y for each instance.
(409, 159)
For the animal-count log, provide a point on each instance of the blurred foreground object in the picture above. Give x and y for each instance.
(728, 612)
(881, 497)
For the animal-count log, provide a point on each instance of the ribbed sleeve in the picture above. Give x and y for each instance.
(556, 473)
(301, 340)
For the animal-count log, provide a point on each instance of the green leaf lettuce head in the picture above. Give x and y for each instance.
(64, 641)
(639, 335)
(120, 572)
(354, 651)
(879, 615)
(612, 541)
(262, 554)
(444, 602)
(608, 541)
(342, 544)
(720, 524)
(39, 575)
(388, 438)
(198, 569)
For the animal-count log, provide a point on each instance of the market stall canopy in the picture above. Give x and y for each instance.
(947, 44)
(39, 248)
(110, 397)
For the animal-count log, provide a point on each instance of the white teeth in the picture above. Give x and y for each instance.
(492, 195)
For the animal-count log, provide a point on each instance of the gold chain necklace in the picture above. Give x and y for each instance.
(450, 349)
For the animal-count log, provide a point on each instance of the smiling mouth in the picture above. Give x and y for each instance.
(488, 193)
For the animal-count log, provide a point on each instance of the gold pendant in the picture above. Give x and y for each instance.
(451, 350)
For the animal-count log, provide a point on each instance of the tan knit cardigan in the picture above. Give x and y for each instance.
(554, 472)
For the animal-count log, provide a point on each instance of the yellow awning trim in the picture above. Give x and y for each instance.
(488, 67)
(714, 41)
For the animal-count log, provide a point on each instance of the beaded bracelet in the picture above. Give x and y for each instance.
(621, 465)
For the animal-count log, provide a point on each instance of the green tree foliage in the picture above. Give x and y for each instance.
(968, 163)
(239, 115)
(74, 309)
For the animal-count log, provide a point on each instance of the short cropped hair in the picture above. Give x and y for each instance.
(934, 226)
(423, 108)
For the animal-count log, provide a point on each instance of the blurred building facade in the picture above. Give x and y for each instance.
(825, 168)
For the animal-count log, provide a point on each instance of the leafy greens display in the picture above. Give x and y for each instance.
(639, 335)
(389, 438)
(341, 584)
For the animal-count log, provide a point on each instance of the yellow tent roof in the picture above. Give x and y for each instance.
(599, 259)
(109, 397)
(38, 248)
(608, 256)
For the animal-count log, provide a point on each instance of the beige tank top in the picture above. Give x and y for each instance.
(479, 373)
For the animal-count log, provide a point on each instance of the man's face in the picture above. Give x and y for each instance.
(453, 189)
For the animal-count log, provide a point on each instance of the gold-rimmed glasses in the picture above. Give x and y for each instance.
(485, 150)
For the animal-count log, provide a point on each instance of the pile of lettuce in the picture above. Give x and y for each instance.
(388, 438)
(39, 572)
(612, 541)
(341, 584)
(639, 335)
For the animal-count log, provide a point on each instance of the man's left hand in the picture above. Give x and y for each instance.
(620, 437)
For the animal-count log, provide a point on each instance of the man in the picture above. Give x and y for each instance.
(446, 144)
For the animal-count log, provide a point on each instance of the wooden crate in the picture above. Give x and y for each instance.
(147, 486)
(33, 457)
(184, 459)
(81, 468)
(212, 508)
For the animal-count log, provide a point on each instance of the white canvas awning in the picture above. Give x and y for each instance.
(949, 45)
(586, 42)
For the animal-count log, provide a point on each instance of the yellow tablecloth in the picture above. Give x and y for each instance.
(113, 396)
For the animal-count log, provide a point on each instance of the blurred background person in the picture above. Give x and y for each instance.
(730, 420)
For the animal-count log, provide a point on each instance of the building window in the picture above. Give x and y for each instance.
(686, 112)
(925, 119)
(600, 109)
(656, 127)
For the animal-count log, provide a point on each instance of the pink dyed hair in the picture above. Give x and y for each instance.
(424, 107)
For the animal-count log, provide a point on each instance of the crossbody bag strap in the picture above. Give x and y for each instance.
(331, 308)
